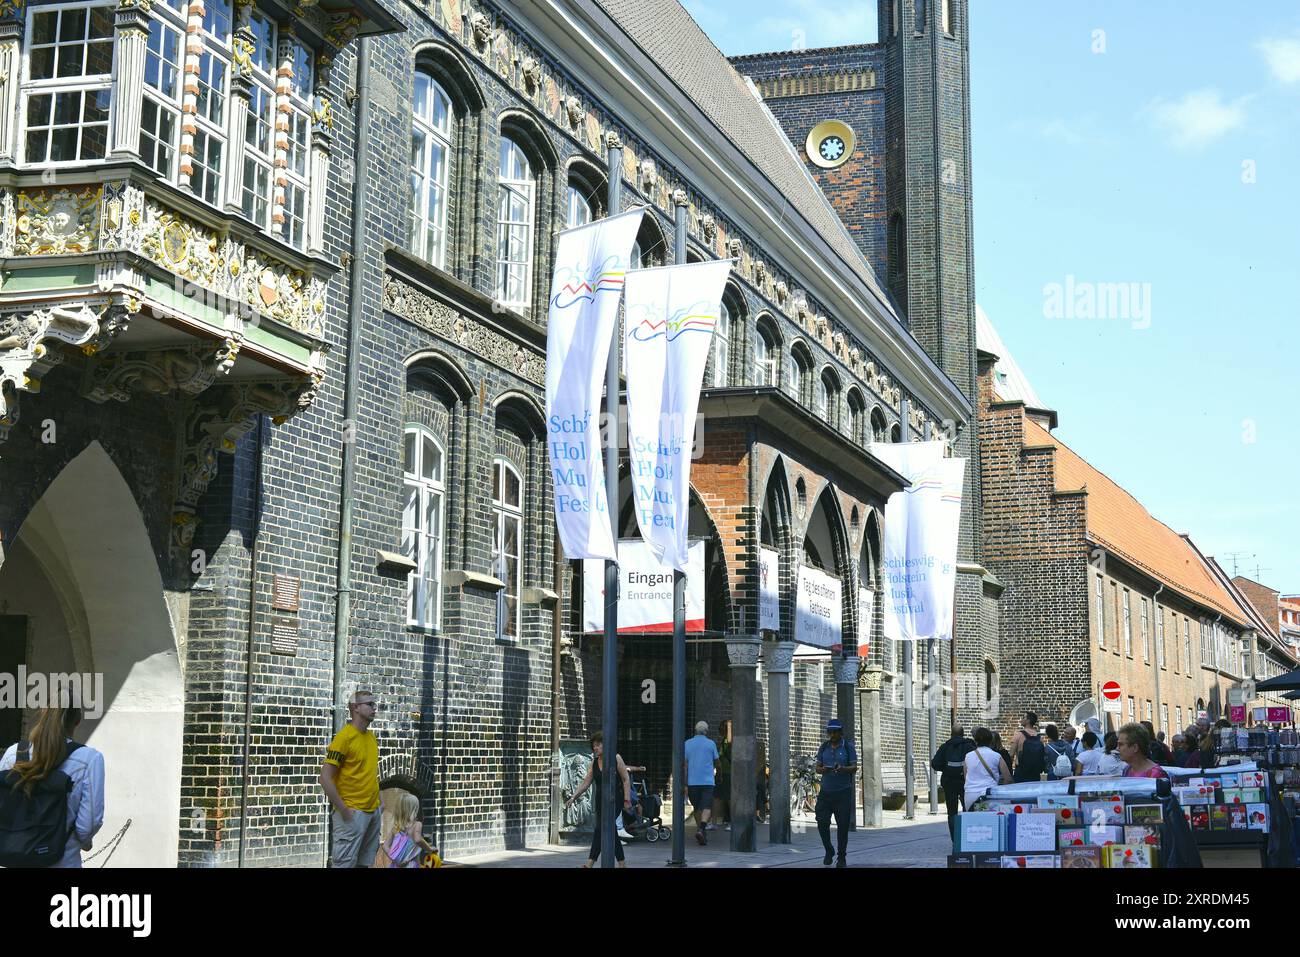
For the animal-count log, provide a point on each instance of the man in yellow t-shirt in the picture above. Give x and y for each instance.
(350, 779)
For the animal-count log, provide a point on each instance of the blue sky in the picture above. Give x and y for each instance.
(1127, 156)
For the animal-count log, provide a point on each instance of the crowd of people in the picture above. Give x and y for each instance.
(968, 767)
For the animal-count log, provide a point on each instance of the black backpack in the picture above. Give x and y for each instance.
(1032, 759)
(34, 829)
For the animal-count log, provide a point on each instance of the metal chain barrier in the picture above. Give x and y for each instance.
(111, 846)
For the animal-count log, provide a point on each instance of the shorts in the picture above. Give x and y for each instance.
(701, 796)
(357, 843)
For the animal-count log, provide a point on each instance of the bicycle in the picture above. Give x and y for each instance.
(804, 787)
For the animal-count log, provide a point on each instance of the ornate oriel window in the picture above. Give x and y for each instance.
(92, 89)
(507, 538)
(516, 192)
(431, 145)
(422, 525)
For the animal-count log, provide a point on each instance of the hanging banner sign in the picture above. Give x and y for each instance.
(819, 613)
(1279, 715)
(590, 265)
(1237, 713)
(769, 583)
(920, 541)
(645, 591)
(670, 318)
(866, 617)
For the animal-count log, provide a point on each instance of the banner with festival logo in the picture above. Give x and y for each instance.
(590, 266)
(769, 589)
(920, 540)
(670, 318)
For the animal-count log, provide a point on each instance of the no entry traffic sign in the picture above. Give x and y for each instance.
(1110, 693)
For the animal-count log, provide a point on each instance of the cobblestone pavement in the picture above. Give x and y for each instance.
(899, 843)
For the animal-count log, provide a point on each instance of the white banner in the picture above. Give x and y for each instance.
(671, 314)
(819, 614)
(920, 546)
(590, 265)
(866, 615)
(645, 595)
(769, 594)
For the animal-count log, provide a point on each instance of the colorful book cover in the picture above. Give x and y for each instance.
(1257, 817)
(988, 859)
(1069, 837)
(1081, 857)
(1229, 780)
(980, 831)
(1142, 834)
(1066, 807)
(1144, 814)
(1195, 794)
(1197, 782)
(1237, 817)
(1252, 795)
(1031, 832)
(1232, 796)
(1130, 856)
(1030, 861)
(1218, 817)
(1252, 779)
(1101, 836)
(1100, 813)
(1199, 818)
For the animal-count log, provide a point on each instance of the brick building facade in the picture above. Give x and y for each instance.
(196, 296)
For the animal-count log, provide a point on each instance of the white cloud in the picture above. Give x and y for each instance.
(1283, 57)
(1199, 118)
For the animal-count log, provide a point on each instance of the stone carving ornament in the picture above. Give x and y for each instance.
(531, 70)
(481, 29)
(57, 221)
(573, 109)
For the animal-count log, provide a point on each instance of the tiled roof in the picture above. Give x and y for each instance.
(668, 35)
(1118, 522)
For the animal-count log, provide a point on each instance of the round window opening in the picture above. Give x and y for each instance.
(830, 144)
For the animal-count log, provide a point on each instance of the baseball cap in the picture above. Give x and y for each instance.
(834, 724)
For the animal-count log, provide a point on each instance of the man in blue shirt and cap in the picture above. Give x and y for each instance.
(837, 763)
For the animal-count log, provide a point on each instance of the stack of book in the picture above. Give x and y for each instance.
(1236, 801)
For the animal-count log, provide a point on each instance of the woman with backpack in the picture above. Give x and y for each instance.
(51, 795)
(1027, 749)
(1057, 755)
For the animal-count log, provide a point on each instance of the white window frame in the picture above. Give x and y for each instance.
(1160, 638)
(297, 172)
(1128, 624)
(1101, 614)
(502, 514)
(210, 178)
(431, 179)
(164, 102)
(1178, 713)
(722, 348)
(766, 357)
(1146, 631)
(257, 200)
(577, 208)
(1132, 709)
(797, 374)
(822, 398)
(81, 83)
(1187, 644)
(524, 188)
(428, 495)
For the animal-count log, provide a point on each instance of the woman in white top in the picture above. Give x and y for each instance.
(50, 739)
(1111, 763)
(984, 767)
(1089, 758)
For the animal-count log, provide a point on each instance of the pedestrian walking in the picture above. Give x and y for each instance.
(699, 771)
(1089, 757)
(1003, 753)
(350, 779)
(837, 763)
(405, 843)
(595, 775)
(1057, 755)
(1027, 750)
(52, 795)
(984, 768)
(1068, 739)
(1158, 752)
(949, 761)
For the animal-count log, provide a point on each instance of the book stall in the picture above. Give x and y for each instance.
(1276, 754)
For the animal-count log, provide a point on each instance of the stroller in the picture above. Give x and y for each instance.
(643, 818)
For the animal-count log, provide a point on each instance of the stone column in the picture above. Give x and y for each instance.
(869, 695)
(778, 659)
(846, 683)
(131, 23)
(241, 92)
(743, 652)
(322, 136)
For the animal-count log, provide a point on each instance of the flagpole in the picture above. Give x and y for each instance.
(610, 779)
(678, 858)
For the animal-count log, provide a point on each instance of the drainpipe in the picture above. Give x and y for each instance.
(1155, 610)
(361, 179)
(255, 553)
(558, 587)
(1214, 644)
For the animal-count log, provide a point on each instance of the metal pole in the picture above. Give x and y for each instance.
(612, 806)
(678, 857)
(930, 669)
(909, 761)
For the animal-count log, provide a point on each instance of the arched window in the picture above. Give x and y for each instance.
(507, 540)
(722, 347)
(431, 147)
(576, 206)
(826, 397)
(857, 417)
(583, 194)
(879, 427)
(516, 216)
(800, 370)
(423, 465)
(895, 433)
(767, 355)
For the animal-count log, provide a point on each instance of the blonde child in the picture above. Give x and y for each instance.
(403, 846)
